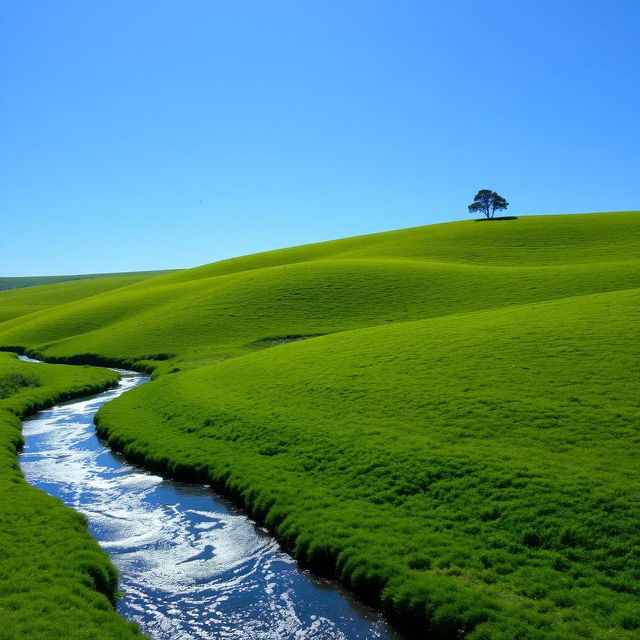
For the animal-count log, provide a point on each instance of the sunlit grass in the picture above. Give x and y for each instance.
(463, 469)
(213, 312)
(21, 296)
(445, 418)
(55, 581)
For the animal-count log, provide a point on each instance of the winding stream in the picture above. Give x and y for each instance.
(192, 566)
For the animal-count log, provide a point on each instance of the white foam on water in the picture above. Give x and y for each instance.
(192, 567)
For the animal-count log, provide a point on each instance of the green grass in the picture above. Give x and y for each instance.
(472, 469)
(31, 281)
(210, 313)
(55, 581)
(456, 439)
(21, 301)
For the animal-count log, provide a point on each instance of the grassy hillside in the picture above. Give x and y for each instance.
(16, 302)
(456, 438)
(537, 241)
(210, 313)
(55, 581)
(471, 470)
(34, 281)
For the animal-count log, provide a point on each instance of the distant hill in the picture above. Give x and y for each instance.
(31, 281)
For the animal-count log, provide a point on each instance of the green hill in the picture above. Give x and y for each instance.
(209, 313)
(480, 468)
(455, 439)
(32, 281)
(24, 299)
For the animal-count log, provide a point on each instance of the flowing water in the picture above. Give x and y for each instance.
(192, 566)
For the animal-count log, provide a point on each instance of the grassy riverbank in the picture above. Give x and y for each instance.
(477, 470)
(55, 581)
(452, 432)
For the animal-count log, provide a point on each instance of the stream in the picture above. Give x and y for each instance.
(192, 565)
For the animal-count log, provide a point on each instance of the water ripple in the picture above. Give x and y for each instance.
(192, 567)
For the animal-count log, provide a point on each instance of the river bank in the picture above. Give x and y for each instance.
(55, 581)
(191, 564)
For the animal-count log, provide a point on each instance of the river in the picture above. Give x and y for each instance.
(192, 565)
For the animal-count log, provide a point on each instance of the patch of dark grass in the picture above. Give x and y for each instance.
(276, 340)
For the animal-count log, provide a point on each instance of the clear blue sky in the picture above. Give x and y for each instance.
(152, 134)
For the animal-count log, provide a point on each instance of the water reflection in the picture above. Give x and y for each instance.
(192, 566)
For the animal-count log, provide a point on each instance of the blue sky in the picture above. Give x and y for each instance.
(159, 134)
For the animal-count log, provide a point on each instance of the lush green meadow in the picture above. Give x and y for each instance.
(203, 315)
(55, 581)
(35, 281)
(26, 299)
(471, 469)
(456, 439)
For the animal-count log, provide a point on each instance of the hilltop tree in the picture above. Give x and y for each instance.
(487, 202)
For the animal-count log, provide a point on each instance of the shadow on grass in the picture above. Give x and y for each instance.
(496, 219)
(275, 340)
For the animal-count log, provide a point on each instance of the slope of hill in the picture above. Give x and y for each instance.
(210, 313)
(34, 281)
(478, 469)
(460, 448)
(16, 302)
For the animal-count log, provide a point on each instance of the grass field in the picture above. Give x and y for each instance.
(55, 581)
(203, 315)
(23, 300)
(34, 281)
(456, 438)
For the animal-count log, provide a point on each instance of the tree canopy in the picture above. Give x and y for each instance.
(487, 202)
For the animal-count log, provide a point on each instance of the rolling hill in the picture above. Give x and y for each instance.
(34, 281)
(475, 469)
(452, 431)
(28, 298)
(206, 314)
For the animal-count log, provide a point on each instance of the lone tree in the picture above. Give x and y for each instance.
(487, 202)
